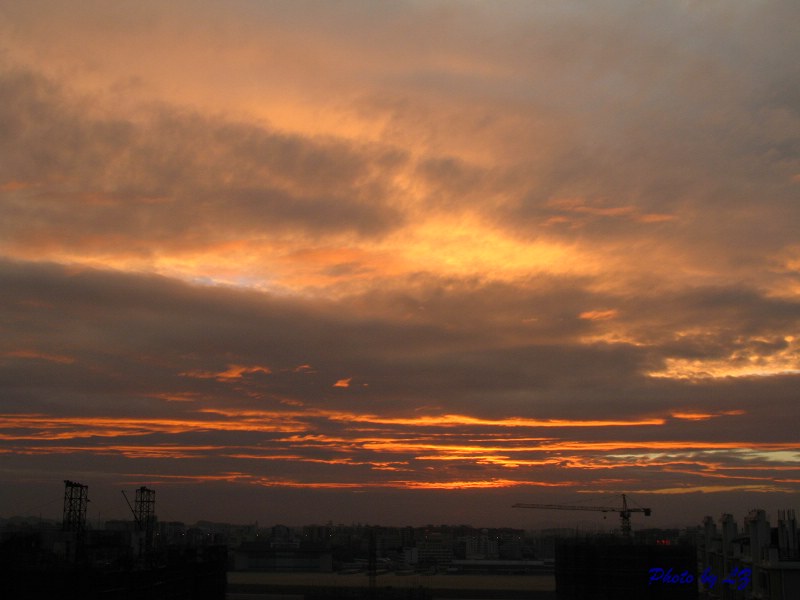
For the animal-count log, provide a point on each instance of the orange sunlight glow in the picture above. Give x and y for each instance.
(447, 420)
(408, 484)
(462, 420)
(467, 245)
(446, 245)
(328, 438)
(785, 361)
(704, 416)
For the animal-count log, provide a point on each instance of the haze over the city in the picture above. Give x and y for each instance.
(400, 262)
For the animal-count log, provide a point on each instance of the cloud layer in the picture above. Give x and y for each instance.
(404, 249)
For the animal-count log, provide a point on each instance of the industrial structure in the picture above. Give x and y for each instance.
(76, 500)
(144, 514)
(75, 561)
(624, 511)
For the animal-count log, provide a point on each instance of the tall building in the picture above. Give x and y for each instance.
(759, 562)
(436, 549)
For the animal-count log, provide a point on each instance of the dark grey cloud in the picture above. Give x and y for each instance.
(141, 335)
(173, 178)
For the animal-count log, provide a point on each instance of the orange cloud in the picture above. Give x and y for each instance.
(599, 315)
(711, 489)
(579, 205)
(43, 427)
(704, 416)
(231, 373)
(343, 383)
(747, 361)
(582, 207)
(468, 245)
(692, 416)
(34, 355)
(408, 484)
(128, 451)
(459, 485)
(177, 396)
(447, 420)
(655, 218)
(665, 445)
(13, 186)
(462, 420)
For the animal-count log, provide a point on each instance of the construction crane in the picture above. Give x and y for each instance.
(624, 512)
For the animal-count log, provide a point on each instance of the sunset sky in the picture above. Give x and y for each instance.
(400, 262)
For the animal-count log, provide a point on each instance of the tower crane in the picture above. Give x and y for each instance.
(624, 511)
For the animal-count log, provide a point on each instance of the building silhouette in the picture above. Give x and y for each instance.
(759, 561)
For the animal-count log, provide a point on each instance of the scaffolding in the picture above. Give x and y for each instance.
(76, 500)
(145, 508)
(144, 513)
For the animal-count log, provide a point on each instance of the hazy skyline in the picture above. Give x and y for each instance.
(403, 262)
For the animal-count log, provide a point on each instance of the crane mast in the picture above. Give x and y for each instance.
(624, 511)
